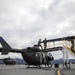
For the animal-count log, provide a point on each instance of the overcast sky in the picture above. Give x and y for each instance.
(24, 22)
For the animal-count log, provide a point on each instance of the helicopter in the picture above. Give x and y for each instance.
(9, 61)
(31, 55)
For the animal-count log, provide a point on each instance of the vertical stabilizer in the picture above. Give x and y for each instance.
(5, 45)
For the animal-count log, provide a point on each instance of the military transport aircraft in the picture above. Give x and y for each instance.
(31, 55)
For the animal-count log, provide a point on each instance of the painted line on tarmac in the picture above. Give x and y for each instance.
(58, 72)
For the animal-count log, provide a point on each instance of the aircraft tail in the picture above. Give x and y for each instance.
(6, 48)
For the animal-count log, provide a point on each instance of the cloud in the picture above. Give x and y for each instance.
(24, 22)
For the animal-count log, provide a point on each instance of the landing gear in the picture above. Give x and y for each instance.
(40, 66)
(50, 65)
(28, 66)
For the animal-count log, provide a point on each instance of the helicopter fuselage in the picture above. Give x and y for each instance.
(33, 57)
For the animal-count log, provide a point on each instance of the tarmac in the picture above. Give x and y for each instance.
(68, 71)
(22, 70)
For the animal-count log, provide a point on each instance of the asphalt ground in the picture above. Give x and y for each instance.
(68, 71)
(22, 70)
